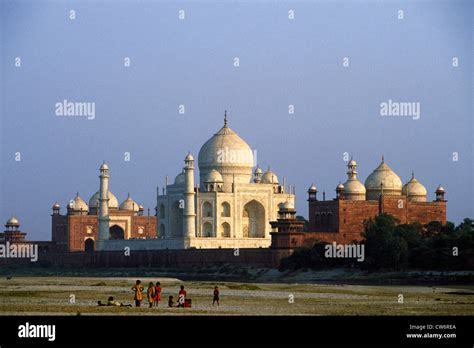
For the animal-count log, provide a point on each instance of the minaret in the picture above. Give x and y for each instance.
(189, 216)
(104, 203)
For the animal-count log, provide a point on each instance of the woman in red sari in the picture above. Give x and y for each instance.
(157, 293)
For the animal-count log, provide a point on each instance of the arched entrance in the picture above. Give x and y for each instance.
(253, 220)
(207, 229)
(176, 220)
(89, 245)
(225, 230)
(161, 231)
(116, 232)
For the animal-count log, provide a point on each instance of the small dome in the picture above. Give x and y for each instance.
(129, 204)
(56, 206)
(104, 166)
(180, 179)
(269, 177)
(13, 221)
(440, 189)
(79, 204)
(313, 188)
(94, 201)
(352, 163)
(258, 170)
(189, 157)
(213, 176)
(340, 187)
(383, 174)
(354, 187)
(141, 207)
(286, 206)
(414, 188)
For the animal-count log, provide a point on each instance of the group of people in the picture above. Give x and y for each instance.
(153, 296)
(153, 293)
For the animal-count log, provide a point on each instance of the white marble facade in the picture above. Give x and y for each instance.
(232, 205)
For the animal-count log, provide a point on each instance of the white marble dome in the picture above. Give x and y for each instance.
(383, 174)
(79, 204)
(229, 154)
(130, 205)
(354, 187)
(94, 201)
(269, 177)
(286, 206)
(415, 191)
(180, 179)
(214, 176)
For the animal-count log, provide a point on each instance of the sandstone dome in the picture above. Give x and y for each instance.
(383, 174)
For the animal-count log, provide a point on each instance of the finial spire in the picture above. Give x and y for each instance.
(412, 174)
(225, 118)
(383, 160)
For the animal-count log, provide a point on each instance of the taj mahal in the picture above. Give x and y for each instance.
(231, 207)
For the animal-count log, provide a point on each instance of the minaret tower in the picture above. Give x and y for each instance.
(189, 216)
(104, 202)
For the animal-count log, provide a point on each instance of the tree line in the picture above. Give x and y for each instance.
(389, 245)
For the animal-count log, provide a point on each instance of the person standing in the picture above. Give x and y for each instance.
(151, 294)
(182, 296)
(138, 289)
(216, 296)
(157, 293)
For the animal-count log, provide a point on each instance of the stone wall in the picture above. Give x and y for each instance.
(268, 258)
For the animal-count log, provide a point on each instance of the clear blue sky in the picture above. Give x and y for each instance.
(190, 62)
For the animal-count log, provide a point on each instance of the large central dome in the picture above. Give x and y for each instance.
(383, 178)
(229, 154)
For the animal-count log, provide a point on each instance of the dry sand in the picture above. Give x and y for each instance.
(52, 296)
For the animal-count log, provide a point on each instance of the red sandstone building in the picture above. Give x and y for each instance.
(342, 219)
(78, 230)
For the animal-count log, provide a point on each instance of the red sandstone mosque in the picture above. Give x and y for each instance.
(342, 219)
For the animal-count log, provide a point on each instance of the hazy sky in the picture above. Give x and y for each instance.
(191, 62)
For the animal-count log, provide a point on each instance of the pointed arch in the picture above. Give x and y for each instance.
(225, 230)
(253, 220)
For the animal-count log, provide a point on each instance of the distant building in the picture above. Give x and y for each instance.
(342, 219)
(78, 229)
(13, 234)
